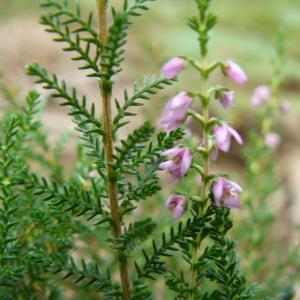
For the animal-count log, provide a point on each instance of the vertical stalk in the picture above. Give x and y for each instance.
(106, 91)
(203, 192)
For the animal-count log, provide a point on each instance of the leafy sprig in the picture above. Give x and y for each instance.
(145, 92)
(88, 274)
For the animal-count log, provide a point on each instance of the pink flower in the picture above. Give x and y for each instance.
(94, 174)
(223, 134)
(235, 72)
(285, 107)
(227, 192)
(176, 204)
(179, 164)
(175, 111)
(261, 94)
(173, 67)
(272, 140)
(227, 99)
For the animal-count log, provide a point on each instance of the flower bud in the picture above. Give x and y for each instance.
(175, 112)
(176, 204)
(235, 72)
(285, 107)
(272, 140)
(261, 94)
(173, 67)
(227, 99)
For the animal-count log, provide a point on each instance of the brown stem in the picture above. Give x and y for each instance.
(105, 88)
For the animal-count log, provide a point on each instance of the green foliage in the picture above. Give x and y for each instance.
(114, 50)
(148, 89)
(18, 276)
(45, 218)
(72, 29)
(9, 244)
(88, 275)
(77, 107)
(202, 24)
(136, 232)
(77, 202)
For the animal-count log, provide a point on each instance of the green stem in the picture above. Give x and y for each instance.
(203, 192)
(106, 90)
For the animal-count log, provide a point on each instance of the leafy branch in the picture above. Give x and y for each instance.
(11, 172)
(88, 124)
(113, 55)
(77, 202)
(74, 44)
(148, 89)
(136, 232)
(64, 10)
(76, 107)
(132, 156)
(89, 274)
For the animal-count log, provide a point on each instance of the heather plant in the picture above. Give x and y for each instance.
(270, 260)
(84, 210)
(78, 235)
(208, 251)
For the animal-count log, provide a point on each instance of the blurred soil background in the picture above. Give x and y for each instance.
(246, 32)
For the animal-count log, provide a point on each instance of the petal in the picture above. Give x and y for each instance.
(178, 211)
(173, 67)
(172, 201)
(235, 186)
(222, 136)
(224, 102)
(227, 99)
(186, 162)
(235, 135)
(235, 72)
(233, 202)
(221, 132)
(214, 154)
(167, 165)
(218, 191)
(180, 100)
(171, 152)
(170, 125)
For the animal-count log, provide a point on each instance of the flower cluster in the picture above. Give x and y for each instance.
(263, 95)
(180, 159)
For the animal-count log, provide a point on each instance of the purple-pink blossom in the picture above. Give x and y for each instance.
(178, 164)
(94, 174)
(272, 140)
(285, 107)
(173, 67)
(175, 111)
(235, 72)
(227, 99)
(261, 94)
(227, 192)
(177, 205)
(223, 134)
